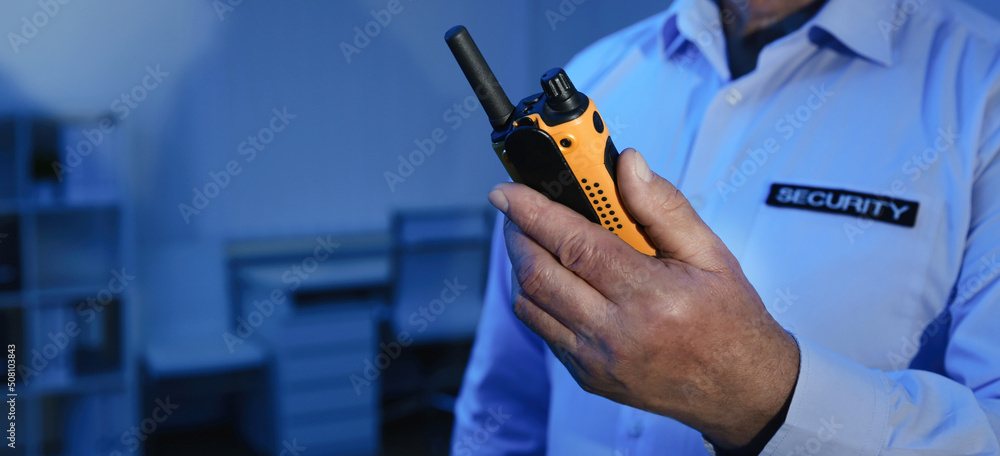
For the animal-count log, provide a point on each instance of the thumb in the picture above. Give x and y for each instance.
(669, 220)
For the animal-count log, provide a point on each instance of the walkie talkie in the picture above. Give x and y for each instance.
(554, 142)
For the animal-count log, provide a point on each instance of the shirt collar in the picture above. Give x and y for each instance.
(697, 22)
(673, 36)
(866, 27)
(863, 26)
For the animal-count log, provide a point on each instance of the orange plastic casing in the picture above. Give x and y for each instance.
(586, 148)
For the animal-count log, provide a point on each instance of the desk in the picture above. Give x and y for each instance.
(321, 331)
(210, 388)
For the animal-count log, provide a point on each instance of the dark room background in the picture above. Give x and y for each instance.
(213, 222)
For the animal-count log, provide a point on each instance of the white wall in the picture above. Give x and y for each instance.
(325, 171)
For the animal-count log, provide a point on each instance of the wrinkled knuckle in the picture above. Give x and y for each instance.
(519, 305)
(724, 264)
(532, 276)
(578, 253)
(531, 214)
(673, 201)
(529, 219)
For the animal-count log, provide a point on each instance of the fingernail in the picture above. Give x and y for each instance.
(641, 168)
(498, 200)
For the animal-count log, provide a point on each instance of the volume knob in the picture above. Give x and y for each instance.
(557, 86)
(561, 95)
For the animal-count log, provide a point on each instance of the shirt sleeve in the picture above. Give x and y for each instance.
(502, 408)
(841, 407)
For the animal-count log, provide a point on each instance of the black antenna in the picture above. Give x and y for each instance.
(494, 100)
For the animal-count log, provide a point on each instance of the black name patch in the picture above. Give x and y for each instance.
(834, 201)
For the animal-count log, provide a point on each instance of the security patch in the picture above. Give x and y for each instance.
(835, 201)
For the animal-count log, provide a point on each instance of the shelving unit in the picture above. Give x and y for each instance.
(62, 240)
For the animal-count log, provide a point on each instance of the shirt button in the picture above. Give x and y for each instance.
(733, 96)
(635, 430)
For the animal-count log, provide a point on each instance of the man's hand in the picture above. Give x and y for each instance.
(683, 335)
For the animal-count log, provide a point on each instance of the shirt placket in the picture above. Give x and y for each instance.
(720, 152)
(719, 145)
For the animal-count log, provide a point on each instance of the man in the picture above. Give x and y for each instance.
(826, 206)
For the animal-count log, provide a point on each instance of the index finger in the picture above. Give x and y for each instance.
(606, 262)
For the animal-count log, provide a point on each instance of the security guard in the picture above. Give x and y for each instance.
(827, 281)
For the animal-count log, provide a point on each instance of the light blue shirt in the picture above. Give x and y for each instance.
(898, 326)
